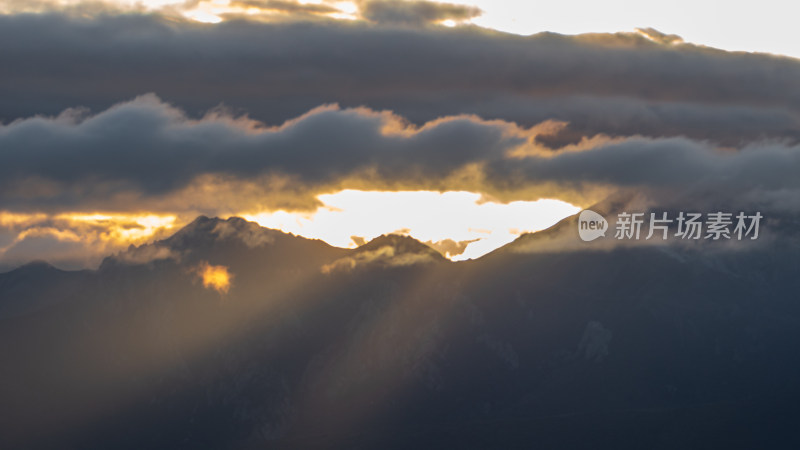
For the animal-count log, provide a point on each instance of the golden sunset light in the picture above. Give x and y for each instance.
(214, 277)
(123, 228)
(86, 238)
(459, 224)
(351, 217)
(399, 224)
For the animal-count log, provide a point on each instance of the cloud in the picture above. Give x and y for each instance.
(93, 8)
(52, 245)
(657, 36)
(148, 155)
(248, 117)
(145, 254)
(145, 149)
(415, 13)
(214, 277)
(623, 84)
(670, 165)
(284, 6)
(449, 247)
(383, 256)
(79, 240)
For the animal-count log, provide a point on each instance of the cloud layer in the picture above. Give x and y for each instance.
(138, 114)
(415, 13)
(149, 155)
(617, 84)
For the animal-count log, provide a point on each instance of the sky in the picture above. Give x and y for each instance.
(436, 218)
(463, 125)
(736, 25)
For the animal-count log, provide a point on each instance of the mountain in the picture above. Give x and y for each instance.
(390, 345)
(230, 241)
(392, 250)
(34, 286)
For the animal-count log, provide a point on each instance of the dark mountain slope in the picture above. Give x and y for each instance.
(639, 347)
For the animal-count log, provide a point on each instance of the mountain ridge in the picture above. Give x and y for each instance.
(525, 346)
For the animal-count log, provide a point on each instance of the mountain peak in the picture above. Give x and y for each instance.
(207, 230)
(388, 250)
(563, 234)
(36, 266)
(401, 244)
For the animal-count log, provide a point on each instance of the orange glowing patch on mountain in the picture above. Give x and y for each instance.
(214, 277)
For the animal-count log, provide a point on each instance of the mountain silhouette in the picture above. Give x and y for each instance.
(390, 345)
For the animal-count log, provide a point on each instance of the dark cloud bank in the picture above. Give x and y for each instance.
(149, 150)
(419, 107)
(617, 84)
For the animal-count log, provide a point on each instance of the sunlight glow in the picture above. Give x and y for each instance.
(203, 16)
(96, 234)
(459, 224)
(214, 277)
(347, 8)
(125, 228)
(351, 216)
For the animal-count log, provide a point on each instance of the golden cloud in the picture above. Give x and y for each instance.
(89, 236)
(214, 277)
